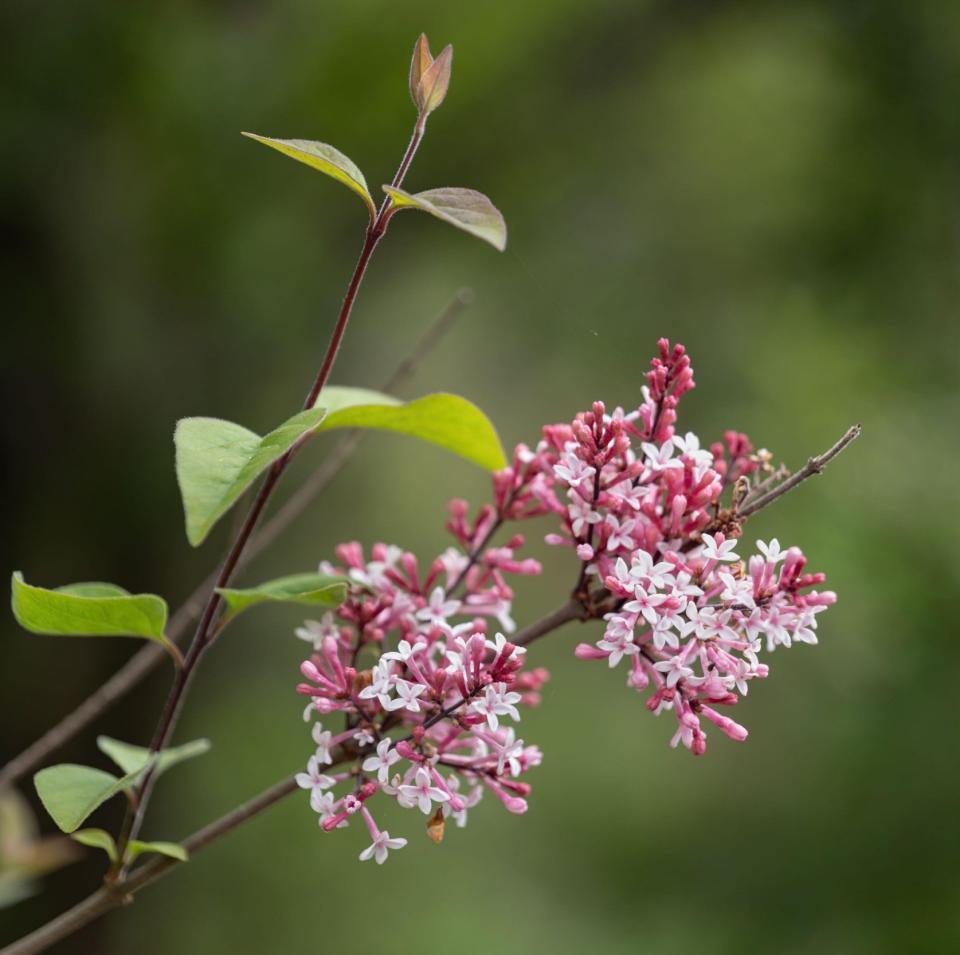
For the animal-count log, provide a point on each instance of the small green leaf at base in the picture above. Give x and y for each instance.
(97, 839)
(466, 209)
(89, 610)
(308, 589)
(70, 792)
(171, 849)
(324, 158)
(449, 421)
(218, 460)
(132, 758)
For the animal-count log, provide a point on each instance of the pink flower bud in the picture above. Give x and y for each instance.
(309, 670)
(732, 729)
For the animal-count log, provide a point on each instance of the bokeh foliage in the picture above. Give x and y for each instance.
(773, 183)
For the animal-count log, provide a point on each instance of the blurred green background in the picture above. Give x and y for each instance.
(776, 184)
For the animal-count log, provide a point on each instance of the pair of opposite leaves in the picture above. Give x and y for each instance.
(466, 209)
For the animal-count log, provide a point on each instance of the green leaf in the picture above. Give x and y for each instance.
(70, 792)
(309, 589)
(132, 758)
(325, 158)
(467, 209)
(446, 420)
(171, 849)
(97, 839)
(89, 610)
(218, 460)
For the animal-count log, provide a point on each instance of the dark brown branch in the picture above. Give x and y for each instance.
(573, 609)
(814, 466)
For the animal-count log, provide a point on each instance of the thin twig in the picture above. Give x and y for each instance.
(573, 609)
(151, 654)
(814, 466)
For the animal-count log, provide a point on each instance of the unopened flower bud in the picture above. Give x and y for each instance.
(429, 77)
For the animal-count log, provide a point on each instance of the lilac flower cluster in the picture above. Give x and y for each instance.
(447, 690)
(643, 509)
(693, 626)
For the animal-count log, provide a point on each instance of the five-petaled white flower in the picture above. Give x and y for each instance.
(438, 608)
(314, 631)
(421, 792)
(323, 739)
(582, 515)
(618, 638)
(326, 805)
(381, 681)
(620, 532)
(714, 549)
(660, 459)
(737, 591)
(510, 754)
(662, 633)
(407, 694)
(658, 575)
(378, 849)
(313, 779)
(689, 445)
(381, 763)
(573, 471)
(645, 604)
(771, 551)
(674, 669)
(404, 651)
(495, 702)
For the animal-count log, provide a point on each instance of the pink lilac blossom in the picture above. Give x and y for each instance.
(430, 701)
(429, 711)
